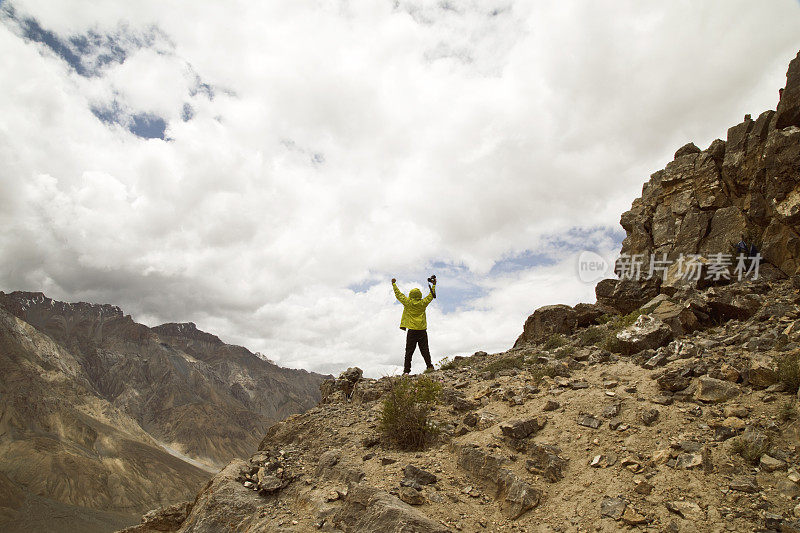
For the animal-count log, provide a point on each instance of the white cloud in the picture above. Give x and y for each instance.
(349, 142)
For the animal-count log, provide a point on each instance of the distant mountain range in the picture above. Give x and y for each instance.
(102, 418)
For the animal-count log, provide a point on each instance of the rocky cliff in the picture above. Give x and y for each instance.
(666, 405)
(100, 413)
(704, 201)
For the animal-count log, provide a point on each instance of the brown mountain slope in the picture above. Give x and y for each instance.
(60, 441)
(202, 397)
(102, 418)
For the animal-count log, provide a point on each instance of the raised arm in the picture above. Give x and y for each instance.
(397, 294)
(431, 295)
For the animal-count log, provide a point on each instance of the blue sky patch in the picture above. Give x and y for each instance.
(144, 125)
(148, 126)
(85, 53)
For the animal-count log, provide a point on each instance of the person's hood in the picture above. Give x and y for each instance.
(415, 294)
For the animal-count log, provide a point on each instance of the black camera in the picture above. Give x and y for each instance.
(432, 279)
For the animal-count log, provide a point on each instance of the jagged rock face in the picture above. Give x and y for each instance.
(789, 106)
(703, 202)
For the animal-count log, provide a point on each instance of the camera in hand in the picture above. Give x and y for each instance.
(432, 279)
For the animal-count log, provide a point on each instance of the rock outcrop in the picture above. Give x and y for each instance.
(748, 185)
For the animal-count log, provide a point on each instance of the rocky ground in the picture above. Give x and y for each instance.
(695, 431)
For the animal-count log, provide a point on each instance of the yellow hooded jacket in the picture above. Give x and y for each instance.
(413, 307)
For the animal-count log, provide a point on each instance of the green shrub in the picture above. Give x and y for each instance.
(539, 371)
(404, 418)
(564, 351)
(605, 318)
(452, 364)
(611, 343)
(750, 450)
(554, 341)
(788, 369)
(622, 322)
(505, 363)
(592, 335)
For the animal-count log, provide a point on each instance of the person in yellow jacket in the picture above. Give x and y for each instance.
(414, 321)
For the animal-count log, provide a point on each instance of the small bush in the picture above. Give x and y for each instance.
(592, 335)
(622, 322)
(605, 318)
(750, 450)
(565, 351)
(404, 416)
(554, 341)
(611, 343)
(505, 363)
(452, 364)
(788, 369)
(787, 411)
(538, 372)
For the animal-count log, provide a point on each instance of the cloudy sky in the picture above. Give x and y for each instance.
(264, 168)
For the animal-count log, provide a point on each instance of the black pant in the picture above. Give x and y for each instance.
(414, 337)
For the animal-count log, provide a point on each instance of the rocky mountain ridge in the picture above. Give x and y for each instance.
(98, 412)
(664, 431)
(668, 405)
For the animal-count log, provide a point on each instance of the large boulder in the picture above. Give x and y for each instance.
(342, 387)
(625, 295)
(224, 504)
(677, 316)
(789, 106)
(711, 390)
(515, 494)
(547, 321)
(589, 314)
(644, 334)
(367, 508)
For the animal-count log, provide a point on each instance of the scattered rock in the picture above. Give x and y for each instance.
(712, 390)
(649, 416)
(517, 496)
(589, 421)
(631, 517)
(411, 496)
(686, 461)
(613, 507)
(761, 376)
(419, 475)
(688, 510)
(551, 405)
(744, 484)
(522, 428)
(546, 461)
(770, 464)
